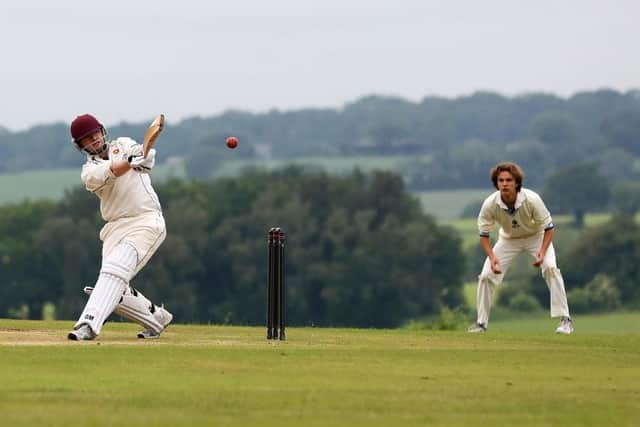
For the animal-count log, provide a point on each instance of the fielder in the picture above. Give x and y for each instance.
(525, 225)
(117, 173)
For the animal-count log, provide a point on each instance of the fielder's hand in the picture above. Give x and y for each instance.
(539, 259)
(143, 164)
(495, 265)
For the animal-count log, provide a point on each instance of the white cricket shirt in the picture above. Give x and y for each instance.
(128, 195)
(529, 217)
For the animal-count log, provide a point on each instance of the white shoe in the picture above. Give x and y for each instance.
(163, 317)
(148, 334)
(565, 327)
(477, 328)
(83, 333)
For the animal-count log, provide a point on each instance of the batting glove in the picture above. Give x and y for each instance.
(135, 150)
(143, 164)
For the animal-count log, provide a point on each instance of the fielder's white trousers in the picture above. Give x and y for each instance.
(506, 251)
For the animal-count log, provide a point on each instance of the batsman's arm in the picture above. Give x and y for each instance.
(130, 149)
(97, 175)
(120, 166)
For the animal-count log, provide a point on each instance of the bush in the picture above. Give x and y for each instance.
(514, 287)
(447, 320)
(20, 312)
(450, 320)
(600, 294)
(579, 300)
(48, 311)
(604, 293)
(524, 302)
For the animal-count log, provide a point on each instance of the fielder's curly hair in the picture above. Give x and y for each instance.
(510, 167)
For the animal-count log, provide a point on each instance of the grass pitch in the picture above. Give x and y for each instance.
(232, 376)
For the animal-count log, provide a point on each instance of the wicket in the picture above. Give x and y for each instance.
(276, 289)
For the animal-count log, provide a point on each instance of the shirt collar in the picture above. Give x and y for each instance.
(519, 200)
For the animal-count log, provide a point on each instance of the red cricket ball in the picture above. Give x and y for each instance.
(232, 142)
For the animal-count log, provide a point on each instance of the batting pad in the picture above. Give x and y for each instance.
(121, 262)
(116, 270)
(137, 308)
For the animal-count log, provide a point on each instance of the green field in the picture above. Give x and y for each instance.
(335, 165)
(449, 204)
(37, 185)
(518, 374)
(51, 184)
(444, 205)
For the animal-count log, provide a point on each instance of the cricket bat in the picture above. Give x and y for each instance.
(152, 134)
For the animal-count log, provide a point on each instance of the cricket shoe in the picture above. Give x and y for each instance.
(565, 327)
(83, 333)
(163, 317)
(477, 328)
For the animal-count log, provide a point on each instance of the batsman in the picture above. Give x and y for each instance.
(525, 226)
(117, 172)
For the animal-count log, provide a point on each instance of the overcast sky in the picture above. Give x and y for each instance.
(129, 60)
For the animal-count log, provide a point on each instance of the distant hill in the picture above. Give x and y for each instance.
(451, 143)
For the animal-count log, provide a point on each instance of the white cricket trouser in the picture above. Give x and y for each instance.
(506, 251)
(144, 232)
(128, 244)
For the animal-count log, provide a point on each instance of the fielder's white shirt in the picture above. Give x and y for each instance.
(125, 196)
(529, 217)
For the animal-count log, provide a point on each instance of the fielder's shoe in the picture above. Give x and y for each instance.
(477, 328)
(163, 316)
(565, 327)
(83, 333)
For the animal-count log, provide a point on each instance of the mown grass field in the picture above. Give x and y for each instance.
(444, 205)
(449, 204)
(518, 374)
(51, 184)
(336, 165)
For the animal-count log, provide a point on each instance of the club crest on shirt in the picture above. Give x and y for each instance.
(514, 224)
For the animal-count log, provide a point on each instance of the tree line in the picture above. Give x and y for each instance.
(359, 251)
(449, 142)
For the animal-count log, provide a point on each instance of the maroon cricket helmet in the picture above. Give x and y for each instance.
(84, 125)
